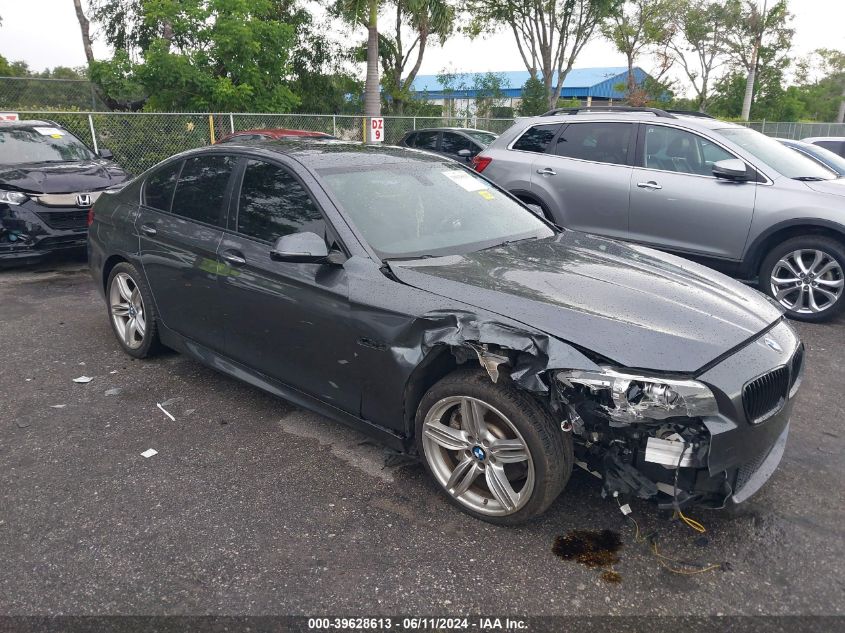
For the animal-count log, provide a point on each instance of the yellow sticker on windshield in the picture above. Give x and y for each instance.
(55, 136)
(484, 193)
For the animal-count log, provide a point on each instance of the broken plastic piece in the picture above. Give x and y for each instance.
(668, 452)
(158, 404)
(58, 406)
(626, 509)
(84, 380)
(115, 391)
(149, 453)
(490, 361)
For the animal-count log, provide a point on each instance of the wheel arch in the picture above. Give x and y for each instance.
(439, 362)
(784, 231)
(108, 266)
(529, 197)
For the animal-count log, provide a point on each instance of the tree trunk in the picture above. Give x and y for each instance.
(85, 30)
(372, 99)
(749, 83)
(840, 118)
(632, 81)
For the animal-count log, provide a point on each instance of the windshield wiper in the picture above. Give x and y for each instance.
(809, 178)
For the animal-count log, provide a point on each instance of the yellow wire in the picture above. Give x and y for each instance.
(695, 525)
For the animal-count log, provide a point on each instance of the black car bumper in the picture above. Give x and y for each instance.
(30, 231)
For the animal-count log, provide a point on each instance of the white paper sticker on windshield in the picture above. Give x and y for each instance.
(465, 180)
(49, 131)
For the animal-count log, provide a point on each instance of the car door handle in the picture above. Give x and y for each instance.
(547, 171)
(649, 185)
(233, 258)
(148, 229)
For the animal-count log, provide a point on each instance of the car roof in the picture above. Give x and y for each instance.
(688, 120)
(813, 139)
(319, 154)
(451, 129)
(27, 123)
(279, 132)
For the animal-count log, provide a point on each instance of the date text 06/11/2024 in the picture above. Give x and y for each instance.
(417, 624)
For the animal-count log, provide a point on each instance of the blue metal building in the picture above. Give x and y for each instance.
(586, 84)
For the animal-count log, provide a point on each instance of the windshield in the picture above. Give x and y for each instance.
(40, 144)
(485, 138)
(412, 209)
(835, 161)
(779, 157)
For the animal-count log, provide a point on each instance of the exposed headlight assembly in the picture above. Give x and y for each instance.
(12, 197)
(629, 398)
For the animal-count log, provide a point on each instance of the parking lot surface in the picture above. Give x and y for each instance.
(253, 506)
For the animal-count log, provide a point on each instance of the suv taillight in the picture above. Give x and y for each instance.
(91, 215)
(479, 162)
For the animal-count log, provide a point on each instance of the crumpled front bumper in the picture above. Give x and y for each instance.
(30, 231)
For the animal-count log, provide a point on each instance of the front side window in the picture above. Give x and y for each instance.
(453, 143)
(537, 138)
(671, 149)
(201, 189)
(597, 141)
(158, 190)
(779, 157)
(41, 144)
(272, 203)
(414, 208)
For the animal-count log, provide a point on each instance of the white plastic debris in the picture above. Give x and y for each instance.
(149, 453)
(58, 406)
(626, 509)
(115, 391)
(158, 404)
(84, 380)
(113, 371)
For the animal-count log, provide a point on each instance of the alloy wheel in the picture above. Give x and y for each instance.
(127, 310)
(807, 281)
(478, 455)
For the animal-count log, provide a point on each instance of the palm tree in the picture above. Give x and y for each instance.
(365, 12)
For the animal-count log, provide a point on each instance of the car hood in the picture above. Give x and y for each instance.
(69, 177)
(836, 187)
(631, 305)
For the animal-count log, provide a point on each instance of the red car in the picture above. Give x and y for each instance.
(273, 134)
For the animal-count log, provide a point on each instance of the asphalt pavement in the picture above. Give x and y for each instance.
(252, 506)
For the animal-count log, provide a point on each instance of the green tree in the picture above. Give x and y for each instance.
(549, 34)
(426, 19)
(635, 28)
(757, 38)
(535, 99)
(365, 12)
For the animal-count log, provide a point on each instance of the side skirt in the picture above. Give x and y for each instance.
(229, 367)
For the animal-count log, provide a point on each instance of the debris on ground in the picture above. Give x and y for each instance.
(188, 412)
(149, 453)
(115, 391)
(166, 412)
(83, 380)
(170, 401)
(22, 422)
(58, 406)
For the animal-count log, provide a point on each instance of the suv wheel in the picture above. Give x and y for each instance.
(131, 311)
(806, 276)
(494, 450)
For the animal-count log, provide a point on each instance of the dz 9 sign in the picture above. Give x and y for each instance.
(376, 130)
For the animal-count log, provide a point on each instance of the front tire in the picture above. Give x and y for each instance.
(494, 450)
(131, 311)
(805, 275)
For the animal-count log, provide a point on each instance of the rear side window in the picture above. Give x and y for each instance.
(272, 203)
(158, 190)
(596, 141)
(537, 138)
(202, 188)
(426, 140)
(837, 147)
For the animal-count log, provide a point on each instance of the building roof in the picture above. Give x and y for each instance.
(580, 82)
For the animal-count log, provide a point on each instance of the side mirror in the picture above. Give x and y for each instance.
(300, 248)
(106, 153)
(731, 169)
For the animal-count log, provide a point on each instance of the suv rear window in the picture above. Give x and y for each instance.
(537, 138)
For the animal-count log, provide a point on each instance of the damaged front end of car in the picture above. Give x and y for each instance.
(709, 439)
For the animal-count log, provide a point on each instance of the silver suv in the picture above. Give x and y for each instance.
(711, 191)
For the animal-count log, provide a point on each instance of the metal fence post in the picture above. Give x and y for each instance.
(232, 122)
(415, 123)
(93, 134)
(334, 125)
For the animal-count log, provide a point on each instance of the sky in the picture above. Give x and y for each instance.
(45, 33)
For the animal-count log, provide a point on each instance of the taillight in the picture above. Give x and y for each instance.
(91, 216)
(479, 162)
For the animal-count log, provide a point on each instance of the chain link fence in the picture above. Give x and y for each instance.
(140, 140)
(38, 92)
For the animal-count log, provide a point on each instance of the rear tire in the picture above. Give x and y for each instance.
(494, 450)
(132, 312)
(806, 276)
